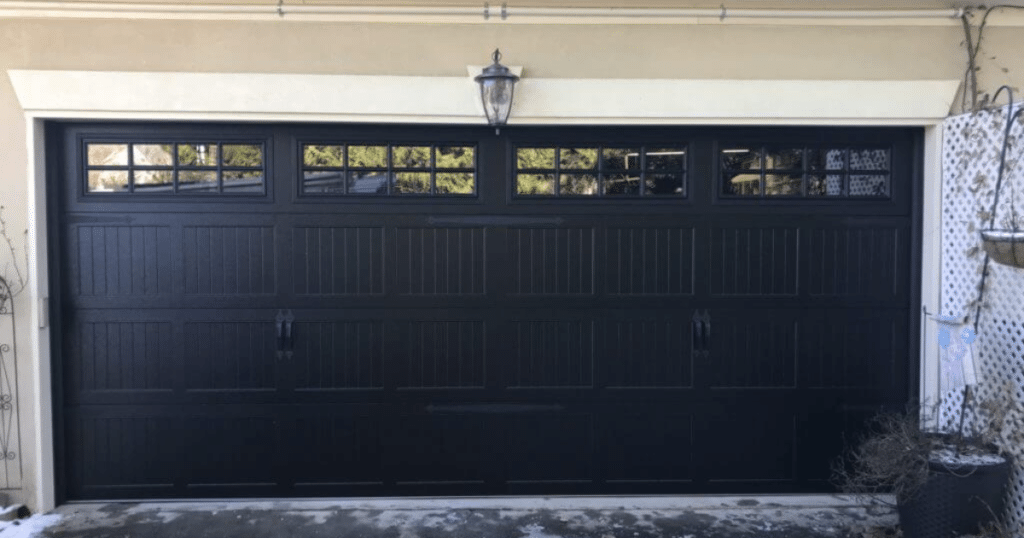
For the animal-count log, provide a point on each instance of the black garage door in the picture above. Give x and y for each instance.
(407, 310)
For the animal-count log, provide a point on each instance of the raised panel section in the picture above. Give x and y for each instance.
(635, 447)
(229, 260)
(120, 260)
(123, 355)
(860, 350)
(650, 261)
(549, 261)
(648, 353)
(755, 261)
(442, 261)
(338, 449)
(338, 261)
(441, 354)
(124, 451)
(537, 445)
(767, 432)
(442, 449)
(861, 262)
(551, 354)
(226, 451)
(230, 355)
(753, 349)
(338, 355)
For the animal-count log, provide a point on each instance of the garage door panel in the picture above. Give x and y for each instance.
(337, 354)
(226, 450)
(650, 261)
(122, 356)
(338, 261)
(859, 260)
(530, 442)
(439, 353)
(442, 448)
(752, 348)
(230, 355)
(551, 261)
(644, 350)
(124, 452)
(649, 448)
(855, 350)
(229, 260)
(119, 260)
(442, 261)
(338, 448)
(556, 351)
(767, 435)
(761, 261)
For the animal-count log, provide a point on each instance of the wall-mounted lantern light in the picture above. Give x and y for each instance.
(497, 83)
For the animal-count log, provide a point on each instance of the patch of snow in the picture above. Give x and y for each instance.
(948, 456)
(534, 530)
(28, 527)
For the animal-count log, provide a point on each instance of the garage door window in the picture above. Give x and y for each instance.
(383, 169)
(175, 168)
(751, 171)
(601, 171)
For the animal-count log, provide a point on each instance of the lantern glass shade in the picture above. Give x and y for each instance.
(497, 84)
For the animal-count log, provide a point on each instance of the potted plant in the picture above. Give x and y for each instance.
(946, 483)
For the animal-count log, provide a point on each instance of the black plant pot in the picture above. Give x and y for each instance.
(955, 500)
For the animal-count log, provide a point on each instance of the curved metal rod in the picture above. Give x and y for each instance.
(1010, 117)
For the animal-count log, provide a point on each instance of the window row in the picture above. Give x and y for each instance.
(752, 171)
(388, 169)
(601, 171)
(181, 168)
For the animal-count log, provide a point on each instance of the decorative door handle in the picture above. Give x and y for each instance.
(289, 334)
(698, 328)
(706, 319)
(279, 326)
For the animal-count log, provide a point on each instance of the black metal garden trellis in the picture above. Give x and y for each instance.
(10, 461)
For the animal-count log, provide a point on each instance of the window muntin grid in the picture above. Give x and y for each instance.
(175, 168)
(583, 171)
(381, 169)
(755, 171)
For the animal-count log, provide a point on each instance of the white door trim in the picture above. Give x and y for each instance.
(73, 95)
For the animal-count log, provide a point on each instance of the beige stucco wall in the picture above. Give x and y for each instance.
(564, 51)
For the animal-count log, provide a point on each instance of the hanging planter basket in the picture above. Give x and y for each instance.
(1004, 246)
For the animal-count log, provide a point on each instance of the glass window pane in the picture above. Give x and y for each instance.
(739, 158)
(197, 154)
(153, 181)
(243, 182)
(197, 181)
(368, 156)
(455, 157)
(826, 159)
(455, 183)
(742, 184)
(783, 184)
(367, 182)
(535, 183)
(411, 183)
(869, 185)
(784, 159)
(666, 160)
(107, 154)
(664, 184)
(242, 155)
(577, 185)
(621, 184)
(829, 185)
(620, 158)
(108, 181)
(325, 182)
(578, 158)
(152, 155)
(869, 159)
(410, 156)
(323, 156)
(535, 158)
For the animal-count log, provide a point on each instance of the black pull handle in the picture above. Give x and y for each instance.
(289, 334)
(697, 328)
(279, 326)
(706, 337)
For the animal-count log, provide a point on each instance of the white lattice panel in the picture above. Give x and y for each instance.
(970, 169)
